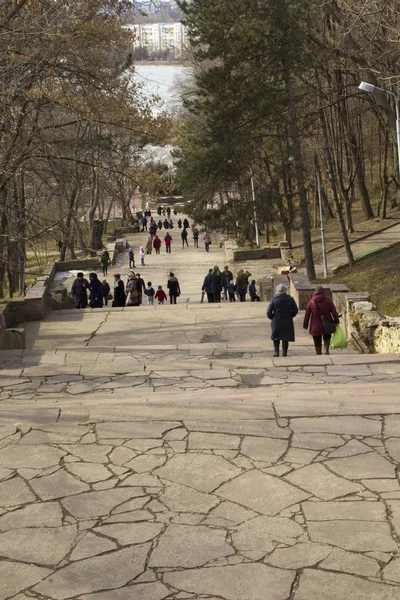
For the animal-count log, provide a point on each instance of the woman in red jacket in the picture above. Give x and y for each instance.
(320, 307)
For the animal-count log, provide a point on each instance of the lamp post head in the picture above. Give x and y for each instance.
(367, 87)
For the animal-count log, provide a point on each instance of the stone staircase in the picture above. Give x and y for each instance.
(185, 361)
(163, 454)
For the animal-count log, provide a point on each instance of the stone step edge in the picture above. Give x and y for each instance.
(290, 361)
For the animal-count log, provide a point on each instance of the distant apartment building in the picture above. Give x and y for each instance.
(151, 7)
(160, 37)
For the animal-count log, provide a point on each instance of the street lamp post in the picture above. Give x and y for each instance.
(321, 219)
(373, 89)
(255, 212)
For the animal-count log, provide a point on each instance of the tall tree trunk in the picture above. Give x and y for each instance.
(299, 169)
(358, 161)
(331, 174)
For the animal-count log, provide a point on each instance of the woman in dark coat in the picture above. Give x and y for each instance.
(281, 310)
(174, 289)
(320, 306)
(119, 291)
(96, 291)
(216, 284)
(79, 291)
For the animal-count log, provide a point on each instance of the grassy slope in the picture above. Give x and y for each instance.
(380, 276)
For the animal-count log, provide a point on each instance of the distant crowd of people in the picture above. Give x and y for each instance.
(154, 228)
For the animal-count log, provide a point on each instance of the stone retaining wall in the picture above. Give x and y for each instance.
(365, 325)
(37, 302)
(258, 254)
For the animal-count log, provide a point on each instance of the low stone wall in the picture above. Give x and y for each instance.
(122, 231)
(84, 264)
(12, 339)
(258, 254)
(365, 325)
(387, 336)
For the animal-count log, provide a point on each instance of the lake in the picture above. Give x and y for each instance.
(163, 81)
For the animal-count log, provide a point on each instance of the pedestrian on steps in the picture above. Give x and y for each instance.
(79, 291)
(119, 291)
(184, 236)
(320, 307)
(131, 256)
(206, 287)
(227, 277)
(149, 291)
(174, 289)
(142, 255)
(161, 296)
(105, 287)
(242, 282)
(141, 287)
(281, 310)
(104, 261)
(168, 240)
(157, 244)
(253, 292)
(96, 291)
(216, 284)
(207, 241)
(132, 291)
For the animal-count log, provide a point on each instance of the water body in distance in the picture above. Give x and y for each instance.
(163, 81)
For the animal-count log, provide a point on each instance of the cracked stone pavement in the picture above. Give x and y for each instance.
(305, 507)
(163, 454)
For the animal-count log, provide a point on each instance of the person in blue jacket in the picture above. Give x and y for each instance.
(281, 310)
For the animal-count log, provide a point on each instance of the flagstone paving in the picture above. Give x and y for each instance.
(164, 454)
(213, 521)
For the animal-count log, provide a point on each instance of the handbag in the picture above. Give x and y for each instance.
(339, 340)
(109, 296)
(329, 326)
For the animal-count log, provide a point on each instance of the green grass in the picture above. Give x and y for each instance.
(380, 276)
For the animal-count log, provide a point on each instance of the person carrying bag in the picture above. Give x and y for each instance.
(339, 340)
(322, 317)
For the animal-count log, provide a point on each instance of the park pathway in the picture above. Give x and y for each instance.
(162, 453)
(381, 239)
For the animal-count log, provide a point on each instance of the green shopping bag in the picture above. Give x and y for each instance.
(338, 340)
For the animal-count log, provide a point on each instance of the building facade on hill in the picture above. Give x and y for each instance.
(161, 37)
(151, 7)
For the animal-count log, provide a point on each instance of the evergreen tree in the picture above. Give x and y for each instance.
(248, 54)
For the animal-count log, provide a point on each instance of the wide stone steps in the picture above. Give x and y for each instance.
(185, 361)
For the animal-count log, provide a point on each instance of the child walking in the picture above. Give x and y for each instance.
(142, 254)
(161, 296)
(231, 291)
(149, 291)
(253, 292)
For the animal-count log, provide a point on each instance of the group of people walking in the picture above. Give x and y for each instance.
(154, 241)
(218, 285)
(81, 287)
(135, 290)
(132, 293)
(319, 317)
